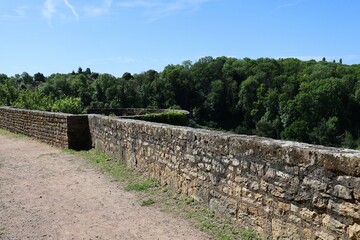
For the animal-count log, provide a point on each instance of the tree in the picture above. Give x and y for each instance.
(34, 99)
(311, 101)
(127, 76)
(26, 78)
(67, 105)
(3, 77)
(39, 77)
(215, 100)
(87, 71)
(9, 92)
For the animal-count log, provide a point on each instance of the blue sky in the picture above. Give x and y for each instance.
(115, 36)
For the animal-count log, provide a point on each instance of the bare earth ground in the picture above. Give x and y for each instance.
(48, 194)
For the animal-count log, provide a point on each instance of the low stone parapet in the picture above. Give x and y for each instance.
(58, 129)
(284, 190)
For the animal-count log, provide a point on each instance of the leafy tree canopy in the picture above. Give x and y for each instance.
(309, 101)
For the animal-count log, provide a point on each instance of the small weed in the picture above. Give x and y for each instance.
(147, 202)
(143, 185)
(10, 134)
(249, 235)
(206, 225)
(2, 231)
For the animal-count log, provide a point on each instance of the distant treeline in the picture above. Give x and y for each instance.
(307, 101)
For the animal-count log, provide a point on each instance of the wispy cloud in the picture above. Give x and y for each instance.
(17, 13)
(157, 9)
(140, 4)
(73, 10)
(99, 10)
(49, 9)
(21, 11)
(52, 7)
(290, 4)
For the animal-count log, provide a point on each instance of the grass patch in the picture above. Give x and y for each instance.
(221, 228)
(147, 202)
(143, 185)
(2, 231)
(150, 193)
(117, 169)
(13, 135)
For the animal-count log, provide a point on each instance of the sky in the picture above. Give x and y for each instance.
(117, 36)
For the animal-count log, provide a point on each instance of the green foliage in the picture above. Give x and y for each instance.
(143, 185)
(29, 99)
(67, 105)
(315, 102)
(147, 202)
(169, 117)
(9, 92)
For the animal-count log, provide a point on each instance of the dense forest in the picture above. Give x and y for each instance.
(307, 101)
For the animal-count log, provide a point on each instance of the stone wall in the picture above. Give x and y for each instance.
(58, 129)
(284, 190)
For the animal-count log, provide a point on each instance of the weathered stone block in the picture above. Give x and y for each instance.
(308, 215)
(345, 209)
(320, 201)
(357, 194)
(333, 224)
(354, 232)
(349, 182)
(324, 236)
(282, 230)
(314, 184)
(283, 208)
(227, 208)
(308, 234)
(342, 192)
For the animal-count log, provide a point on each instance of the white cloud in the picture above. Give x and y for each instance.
(157, 9)
(73, 10)
(49, 9)
(291, 4)
(99, 10)
(140, 4)
(52, 7)
(21, 11)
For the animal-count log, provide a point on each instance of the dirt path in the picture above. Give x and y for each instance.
(48, 194)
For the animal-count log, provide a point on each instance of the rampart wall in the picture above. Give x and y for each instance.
(282, 189)
(58, 129)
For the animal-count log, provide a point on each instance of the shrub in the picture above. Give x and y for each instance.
(170, 117)
(68, 105)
